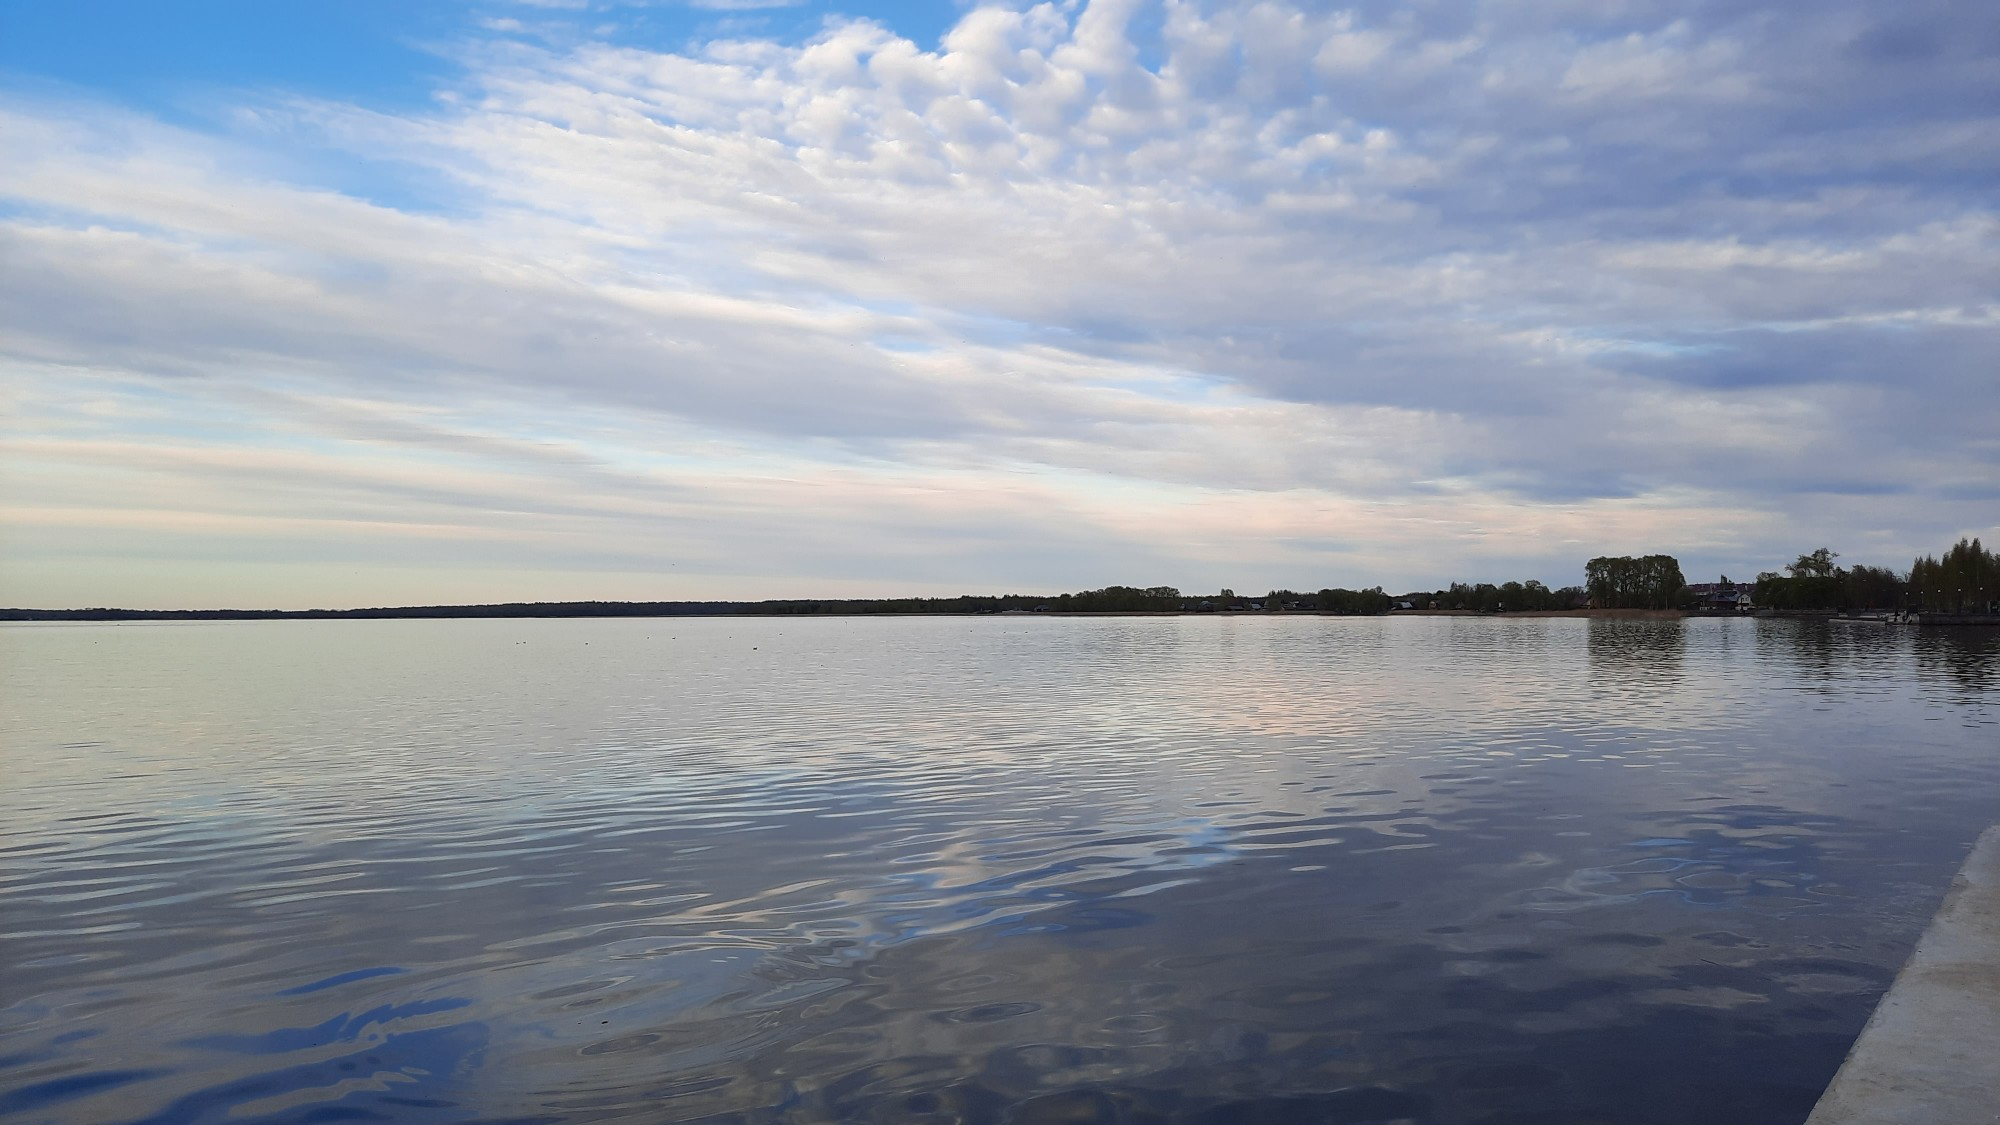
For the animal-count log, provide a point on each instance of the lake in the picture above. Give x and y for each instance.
(1444, 870)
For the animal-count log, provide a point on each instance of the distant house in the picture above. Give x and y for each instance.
(1717, 597)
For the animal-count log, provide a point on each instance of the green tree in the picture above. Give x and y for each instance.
(1115, 599)
(1371, 600)
(1872, 587)
(1966, 579)
(1626, 582)
(1816, 584)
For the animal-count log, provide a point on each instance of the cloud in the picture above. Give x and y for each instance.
(1188, 293)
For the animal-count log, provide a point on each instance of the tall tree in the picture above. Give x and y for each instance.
(1626, 582)
(1966, 579)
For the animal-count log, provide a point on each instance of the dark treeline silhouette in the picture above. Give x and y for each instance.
(1110, 599)
(1507, 597)
(967, 603)
(1814, 583)
(1627, 582)
(1371, 600)
(1334, 600)
(1121, 599)
(1965, 580)
(501, 609)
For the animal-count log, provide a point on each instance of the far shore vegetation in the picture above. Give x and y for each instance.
(1964, 580)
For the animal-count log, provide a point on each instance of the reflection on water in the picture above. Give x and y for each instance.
(1439, 870)
(1965, 659)
(1640, 656)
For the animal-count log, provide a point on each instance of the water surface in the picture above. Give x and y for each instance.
(1256, 869)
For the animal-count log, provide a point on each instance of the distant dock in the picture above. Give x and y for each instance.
(1931, 1053)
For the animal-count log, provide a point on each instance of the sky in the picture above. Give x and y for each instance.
(372, 303)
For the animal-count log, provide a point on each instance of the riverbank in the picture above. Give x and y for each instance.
(1613, 614)
(586, 610)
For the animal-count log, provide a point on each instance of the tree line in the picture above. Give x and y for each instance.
(1814, 582)
(1507, 597)
(1965, 580)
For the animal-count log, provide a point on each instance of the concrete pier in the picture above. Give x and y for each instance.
(1931, 1053)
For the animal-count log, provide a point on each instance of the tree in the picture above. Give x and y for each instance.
(1371, 600)
(1966, 579)
(1508, 597)
(1817, 584)
(1805, 590)
(1625, 582)
(1112, 599)
(1872, 587)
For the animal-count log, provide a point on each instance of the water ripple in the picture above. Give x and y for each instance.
(1200, 869)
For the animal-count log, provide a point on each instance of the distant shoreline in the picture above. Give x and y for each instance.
(599, 610)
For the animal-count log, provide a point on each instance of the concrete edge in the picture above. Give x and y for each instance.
(1930, 1055)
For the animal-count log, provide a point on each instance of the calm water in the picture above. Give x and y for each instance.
(1438, 870)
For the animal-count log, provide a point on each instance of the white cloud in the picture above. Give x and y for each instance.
(1282, 297)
